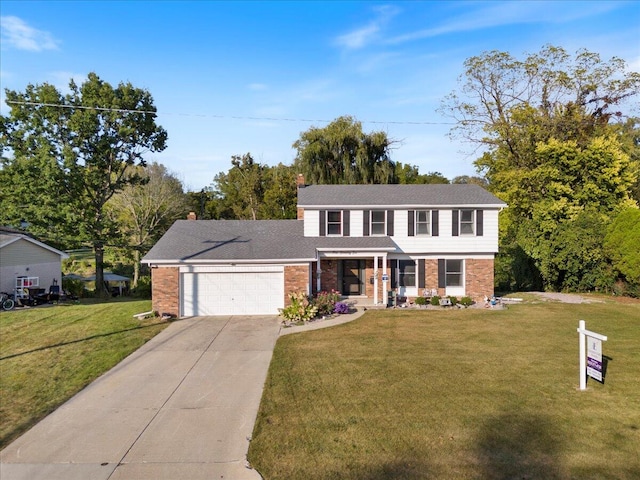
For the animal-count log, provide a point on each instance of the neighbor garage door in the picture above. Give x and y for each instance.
(232, 293)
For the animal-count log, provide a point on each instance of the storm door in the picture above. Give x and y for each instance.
(352, 277)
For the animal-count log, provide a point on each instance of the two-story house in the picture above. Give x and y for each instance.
(361, 240)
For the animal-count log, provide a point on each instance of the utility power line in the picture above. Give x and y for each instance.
(211, 115)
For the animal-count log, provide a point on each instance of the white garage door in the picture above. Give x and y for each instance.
(232, 293)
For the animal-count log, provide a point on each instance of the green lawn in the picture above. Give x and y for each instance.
(457, 394)
(49, 353)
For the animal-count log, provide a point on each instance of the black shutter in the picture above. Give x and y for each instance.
(390, 223)
(365, 223)
(479, 223)
(442, 273)
(412, 223)
(323, 223)
(455, 223)
(346, 227)
(421, 273)
(394, 274)
(435, 223)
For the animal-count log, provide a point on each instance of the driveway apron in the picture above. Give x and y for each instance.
(181, 407)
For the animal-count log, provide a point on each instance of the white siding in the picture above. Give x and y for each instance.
(311, 223)
(445, 242)
(356, 223)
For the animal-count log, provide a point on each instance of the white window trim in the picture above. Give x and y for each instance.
(461, 273)
(384, 228)
(327, 223)
(472, 223)
(428, 223)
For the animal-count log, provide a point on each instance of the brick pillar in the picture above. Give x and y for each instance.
(165, 290)
(296, 279)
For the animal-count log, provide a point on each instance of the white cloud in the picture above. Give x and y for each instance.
(363, 36)
(497, 14)
(257, 87)
(17, 34)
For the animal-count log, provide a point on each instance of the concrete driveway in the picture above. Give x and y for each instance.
(181, 407)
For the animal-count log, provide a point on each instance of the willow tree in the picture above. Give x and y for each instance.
(341, 153)
(91, 137)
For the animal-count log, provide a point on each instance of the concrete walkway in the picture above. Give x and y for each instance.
(181, 407)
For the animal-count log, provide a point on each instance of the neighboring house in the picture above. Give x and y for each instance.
(27, 263)
(361, 240)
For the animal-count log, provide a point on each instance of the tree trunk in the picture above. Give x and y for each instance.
(136, 268)
(101, 290)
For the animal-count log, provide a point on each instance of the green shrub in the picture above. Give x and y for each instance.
(325, 302)
(420, 301)
(466, 301)
(143, 289)
(453, 300)
(301, 309)
(74, 287)
(435, 300)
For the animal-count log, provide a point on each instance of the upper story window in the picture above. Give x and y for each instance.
(467, 222)
(378, 222)
(423, 222)
(334, 222)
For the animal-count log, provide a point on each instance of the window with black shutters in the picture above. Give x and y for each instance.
(334, 222)
(378, 224)
(453, 273)
(423, 222)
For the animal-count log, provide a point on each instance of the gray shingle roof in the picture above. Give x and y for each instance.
(396, 195)
(189, 240)
(226, 240)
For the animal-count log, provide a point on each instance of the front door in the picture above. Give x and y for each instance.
(352, 277)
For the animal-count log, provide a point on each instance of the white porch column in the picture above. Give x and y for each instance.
(375, 279)
(318, 275)
(384, 272)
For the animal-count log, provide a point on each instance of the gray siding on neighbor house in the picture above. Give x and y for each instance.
(26, 259)
(23, 252)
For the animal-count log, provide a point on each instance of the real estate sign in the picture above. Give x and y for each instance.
(594, 358)
(591, 360)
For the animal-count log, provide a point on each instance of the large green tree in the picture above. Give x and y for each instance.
(341, 153)
(88, 138)
(144, 212)
(551, 127)
(253, 191)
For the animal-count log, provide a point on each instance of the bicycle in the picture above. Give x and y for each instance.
(6, 301)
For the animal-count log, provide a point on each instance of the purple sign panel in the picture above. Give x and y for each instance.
(594, 358)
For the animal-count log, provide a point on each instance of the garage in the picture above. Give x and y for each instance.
(239, 291)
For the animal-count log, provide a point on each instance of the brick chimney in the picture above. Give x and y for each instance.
(300, 181)
(191, 216)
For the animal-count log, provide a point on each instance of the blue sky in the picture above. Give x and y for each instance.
(235, 77)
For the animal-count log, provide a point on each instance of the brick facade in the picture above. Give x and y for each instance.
(296, 279)
(479, 278)
(165, 290)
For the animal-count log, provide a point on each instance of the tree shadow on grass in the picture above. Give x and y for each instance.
(80, 340)
(519, 445)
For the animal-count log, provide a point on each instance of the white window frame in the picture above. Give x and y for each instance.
(466, 225)
(334, 223)
(449, 272)
(401, 275)
(426, 223)
(377, 223)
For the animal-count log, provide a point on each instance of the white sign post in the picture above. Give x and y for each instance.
(594, 355)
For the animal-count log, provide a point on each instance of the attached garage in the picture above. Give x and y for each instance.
(249, 290)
